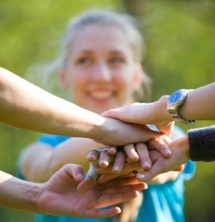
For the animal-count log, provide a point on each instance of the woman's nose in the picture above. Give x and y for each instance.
(101, 72)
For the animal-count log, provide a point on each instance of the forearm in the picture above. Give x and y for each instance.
(18, 194)
(26, 106)
(74, 151)
(40, 161)
(200, 104)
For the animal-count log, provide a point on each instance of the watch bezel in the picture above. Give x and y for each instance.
(172, 107)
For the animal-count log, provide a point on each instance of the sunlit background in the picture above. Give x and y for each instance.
(180, 42)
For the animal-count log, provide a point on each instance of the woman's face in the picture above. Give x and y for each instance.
(100, 71)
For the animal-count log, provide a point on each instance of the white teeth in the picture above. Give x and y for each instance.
(101, 95)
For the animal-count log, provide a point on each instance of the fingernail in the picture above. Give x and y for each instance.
(116, 169)
(146, 165)
(141, 176)
(80, 176)
(168, 152)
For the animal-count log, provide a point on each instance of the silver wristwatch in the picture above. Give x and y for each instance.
(175, 100)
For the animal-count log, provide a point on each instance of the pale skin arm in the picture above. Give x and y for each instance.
(39, 161)
(199, 105)
(26, 106)
(59, 196)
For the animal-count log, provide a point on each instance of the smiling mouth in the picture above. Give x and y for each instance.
(101, 95)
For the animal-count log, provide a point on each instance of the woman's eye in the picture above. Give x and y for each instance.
(117, 60)
(83, 61)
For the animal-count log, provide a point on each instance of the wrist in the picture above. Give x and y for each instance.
(175, 101)
(185, 148)
(163, 113)
(99, 129)
(18, 194)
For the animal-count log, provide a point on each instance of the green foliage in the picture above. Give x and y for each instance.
(179, 37)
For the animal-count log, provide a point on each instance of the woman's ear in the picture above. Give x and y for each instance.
(62, 78)
(138, 77)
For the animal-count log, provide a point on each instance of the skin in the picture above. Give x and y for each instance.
(103, 168)
(42, 114)
(65, 118)
(180, 155)
(157, 114)
(99, 77)
(59, 195)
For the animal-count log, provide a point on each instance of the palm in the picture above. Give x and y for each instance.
(61, 192)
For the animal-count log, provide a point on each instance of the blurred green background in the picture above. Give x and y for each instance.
(179, 37)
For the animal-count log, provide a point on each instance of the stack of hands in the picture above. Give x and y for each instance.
(143, 160)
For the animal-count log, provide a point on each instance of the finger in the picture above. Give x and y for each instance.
(92, 155)
(166, 139)
(117, 197)
(104, 213)
(124, 189)
(113, 113)
(85, 185)
(159, 145)
(131, 152)
(146, 175)
(180, 168)
(118, 162)
(107, 177)
(74, 170)
(104, 159)
(160, 165)
(127, 169)
(91, 171)
(166, 128)
(112, 150)
(123, 185)
(142, 151)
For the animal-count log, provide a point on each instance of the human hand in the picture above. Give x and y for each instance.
(135, 152)
(102, 158)
(180, 155)
(117, 133)
(131, 152)
(59, 196)
(145, 113)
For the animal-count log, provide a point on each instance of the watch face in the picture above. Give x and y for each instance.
(175, 97)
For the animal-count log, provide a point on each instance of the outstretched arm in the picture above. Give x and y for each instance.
(26, 106)
(199, 105)
(59, 196)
